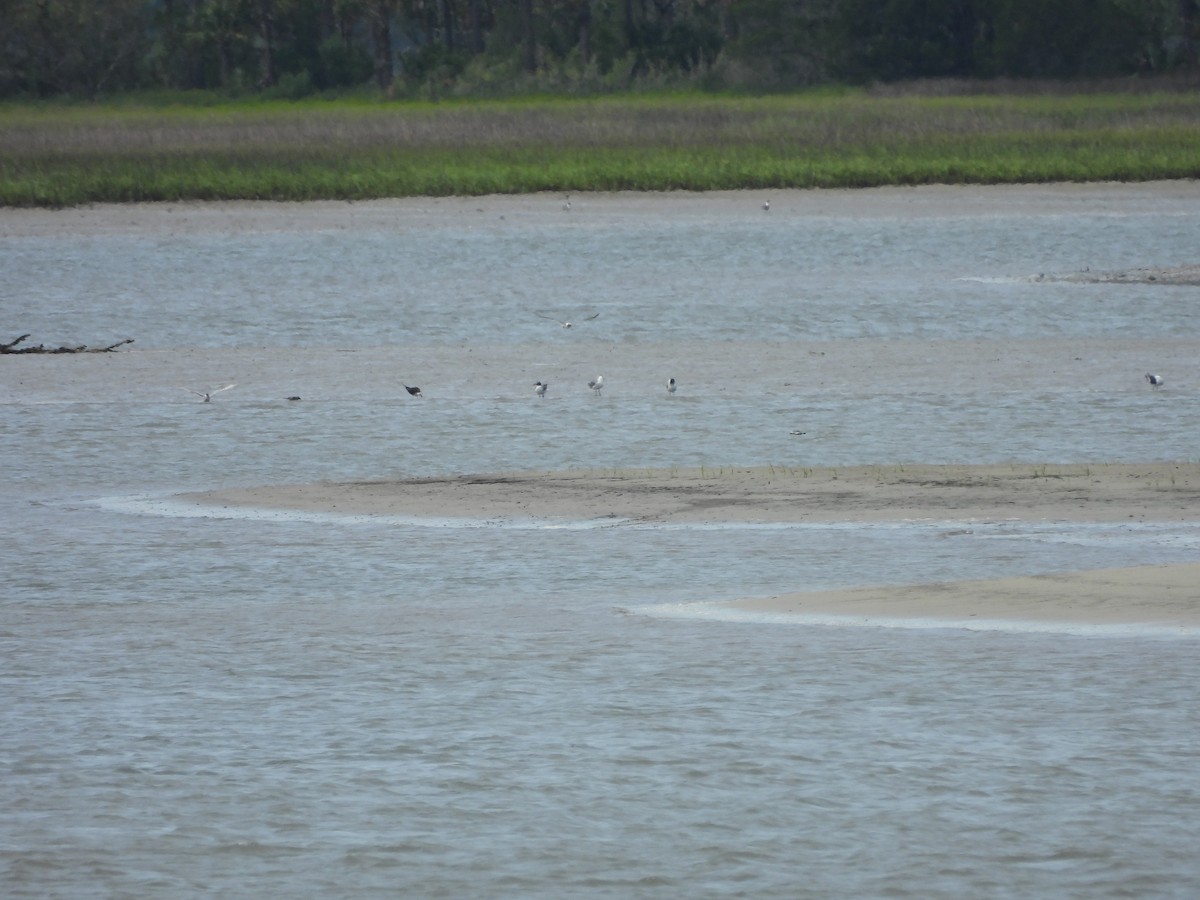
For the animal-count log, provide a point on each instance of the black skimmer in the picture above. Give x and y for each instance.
(206, 396)
(565, 324)
(597, 384)
(539, 388)
(413, 391)
(1155, 380)
(671, 386)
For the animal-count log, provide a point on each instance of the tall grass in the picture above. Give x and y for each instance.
(68, 155)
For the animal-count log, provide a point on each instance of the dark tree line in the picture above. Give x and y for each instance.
(93, 47)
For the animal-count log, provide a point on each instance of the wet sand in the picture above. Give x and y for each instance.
(1160, 596)
(1106, 492)
(1161, 492)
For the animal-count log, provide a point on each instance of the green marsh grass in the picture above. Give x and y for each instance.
(64, 155)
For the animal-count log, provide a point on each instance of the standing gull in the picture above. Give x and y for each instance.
(413, 391)
(206, 396)
(597, 385)
(1155, 380)
(671, 385)
(539, 388)
(563, 323)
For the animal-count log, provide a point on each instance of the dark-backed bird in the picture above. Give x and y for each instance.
(563, 323)
(539, 388)
(597, 384)
(671, 386)
(1155, 380)
(206, 396)
(413, 391)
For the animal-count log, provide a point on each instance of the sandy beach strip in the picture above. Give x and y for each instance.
(1102, 492)
(507, 210)
(1163, 597)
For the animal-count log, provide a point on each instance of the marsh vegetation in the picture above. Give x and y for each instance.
(68, 154)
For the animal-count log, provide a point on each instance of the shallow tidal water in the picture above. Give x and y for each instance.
(198, 703)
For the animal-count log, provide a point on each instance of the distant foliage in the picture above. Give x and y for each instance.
(292, 48)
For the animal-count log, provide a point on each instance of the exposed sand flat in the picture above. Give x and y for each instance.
(1170, 275)
(502, 210)
(1163, 596)
(1106, 492)
(1160, 596)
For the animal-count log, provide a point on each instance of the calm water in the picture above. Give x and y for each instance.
(208, 704)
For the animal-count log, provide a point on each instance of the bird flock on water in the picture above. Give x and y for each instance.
(596, 385)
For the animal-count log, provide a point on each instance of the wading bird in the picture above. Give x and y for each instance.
(671, 385)
(540, 389)
(1155, 380)
(597, 384)
(413, 391)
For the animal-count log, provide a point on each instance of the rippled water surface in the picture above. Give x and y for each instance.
(258, 705)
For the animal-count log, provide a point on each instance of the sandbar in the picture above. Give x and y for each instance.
(1165, 597)
(1161, 596)
(1101, 492)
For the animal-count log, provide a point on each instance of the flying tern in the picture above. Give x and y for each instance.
(566, 324)
(206, 396)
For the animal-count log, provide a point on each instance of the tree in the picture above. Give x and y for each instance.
(1072, 38)
(898, 39)
(52, 47)
(85, 47)
(379, 17)
(783, 41)
(528, 36)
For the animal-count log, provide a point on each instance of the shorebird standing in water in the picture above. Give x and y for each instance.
(562, 322)
(539, 388)
(597, 385)
(1155, 380)
(413, 391)
(206, 396)
(671, 385)
(766, 206)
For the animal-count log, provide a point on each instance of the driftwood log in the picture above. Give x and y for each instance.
(12, 347)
